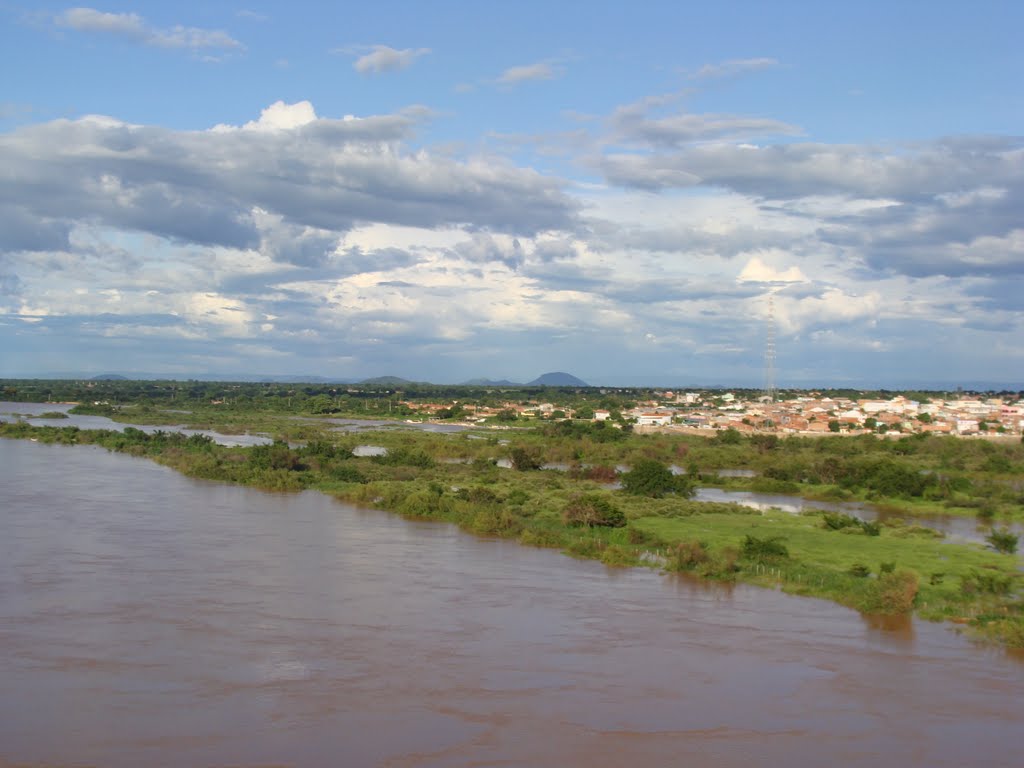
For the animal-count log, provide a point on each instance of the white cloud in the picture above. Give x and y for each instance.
(282, 117)
(528, 72)
(133, 27)
(382, 58)
(757, 271)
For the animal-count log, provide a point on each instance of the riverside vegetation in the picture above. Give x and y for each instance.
(614, 498)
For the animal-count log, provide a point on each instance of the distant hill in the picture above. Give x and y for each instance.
(489, 383)
(110, 377)
(386, 381)
(557, 379)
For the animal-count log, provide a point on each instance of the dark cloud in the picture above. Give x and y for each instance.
(790, 171)
(21, 231)
(482, 248)
(202, 187)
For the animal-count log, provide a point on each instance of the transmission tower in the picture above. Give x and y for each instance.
(769, 352)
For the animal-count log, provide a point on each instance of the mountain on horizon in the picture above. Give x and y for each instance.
(386, 381)
(557, 379)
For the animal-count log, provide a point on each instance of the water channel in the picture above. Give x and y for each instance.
(150, 619)
(31, 413)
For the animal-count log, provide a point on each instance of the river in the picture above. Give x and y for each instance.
(150, 619)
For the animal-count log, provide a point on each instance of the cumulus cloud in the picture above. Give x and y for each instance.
(948, 206)
(133, 27)
(382, 58)
(313, 173)
(757, 271)
(283, 117)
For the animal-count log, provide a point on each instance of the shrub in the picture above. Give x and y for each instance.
(1003, 541)
(405, 457)
(893, 592)
(524, 460)
(592, 511)
(347, 474)
(871, 528)
(496, 522)
(601, 474)
(688, 555)
(986, 511)
(836, 521)
(652, 478)
(762, 550)
(618, 556)
(982, 583)
(640, 536)
(860, 570)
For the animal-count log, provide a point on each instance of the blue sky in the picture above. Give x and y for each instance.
(452, 190)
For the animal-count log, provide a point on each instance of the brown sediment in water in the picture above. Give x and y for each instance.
(148, 619)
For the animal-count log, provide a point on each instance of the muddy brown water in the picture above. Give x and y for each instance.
(150, 619)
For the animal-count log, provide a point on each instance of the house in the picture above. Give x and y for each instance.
(653, 419)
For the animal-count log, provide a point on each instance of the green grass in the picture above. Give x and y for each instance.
(820, 561)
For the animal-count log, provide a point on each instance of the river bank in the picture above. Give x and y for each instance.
(889, 570)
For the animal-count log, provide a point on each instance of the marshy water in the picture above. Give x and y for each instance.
(150, 619)
(32, 412)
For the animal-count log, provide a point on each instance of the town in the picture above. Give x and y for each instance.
(810, 413)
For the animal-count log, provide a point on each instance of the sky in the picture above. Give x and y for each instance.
(635, 193)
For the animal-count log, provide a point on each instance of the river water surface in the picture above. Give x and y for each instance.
(150, 619)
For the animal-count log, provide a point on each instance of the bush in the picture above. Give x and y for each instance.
(404, 457)
(688, 555)
(836, 521)
(893, 592)
(762, 550)
(601, 474)
(871, 528)
(982, 583)
(347, 474)
(524, 460)
(593, 511)
(1003, 541)
(654, 479)
(860, 570)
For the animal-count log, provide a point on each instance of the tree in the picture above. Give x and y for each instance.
(652, 478)
(833, 425)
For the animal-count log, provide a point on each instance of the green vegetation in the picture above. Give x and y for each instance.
(650, 519)
(652, 478)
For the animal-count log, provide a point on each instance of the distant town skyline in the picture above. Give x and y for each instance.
(454, 190)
